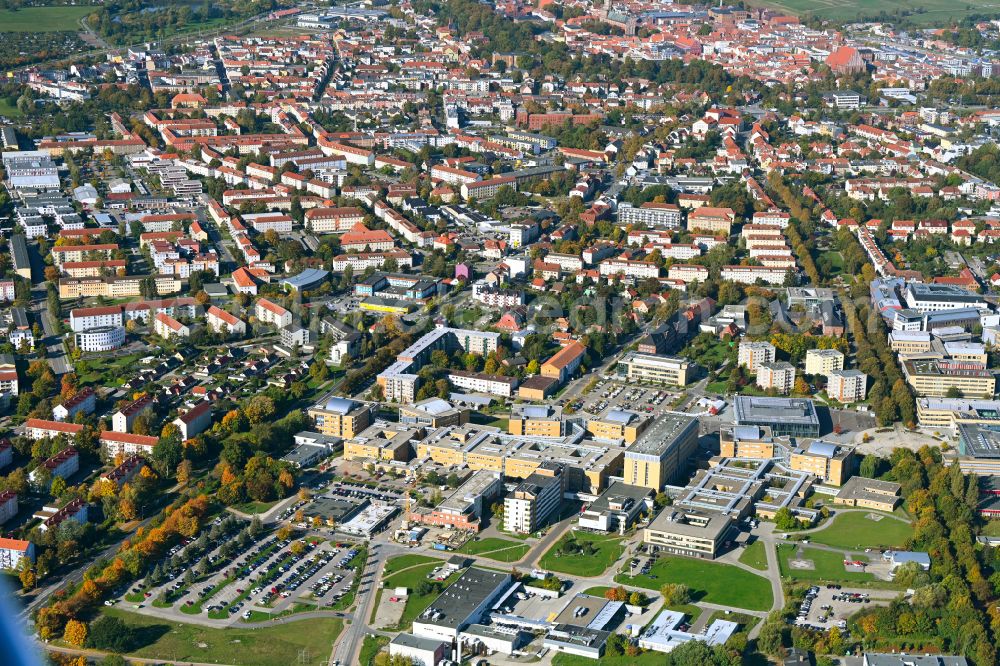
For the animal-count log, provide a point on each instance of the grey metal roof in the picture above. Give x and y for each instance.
(821, 448)
(339, 405)
(619, 416)
(535, 411)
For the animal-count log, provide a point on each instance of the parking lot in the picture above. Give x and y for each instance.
(617, 395)
(830, 605)
(267, 575)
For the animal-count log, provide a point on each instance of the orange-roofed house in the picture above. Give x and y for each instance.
(166, 326)
(565, 362)
(270, 312)
(189, 100)
(128, 443)
(243, 282)
(221, 321)
(12, 551)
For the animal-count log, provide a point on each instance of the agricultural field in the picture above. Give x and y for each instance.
(928, 12)
(43, 19)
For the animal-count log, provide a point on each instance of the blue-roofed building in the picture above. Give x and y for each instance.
(536, 421)
(310, 278)
(618, 424)
(433, 413)
(832, 463)
(340, 417)
(898, 558)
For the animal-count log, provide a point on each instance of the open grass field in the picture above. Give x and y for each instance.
(609, 549)
(711, 582)
(828, 566)
(43, 19)
(263, 646)
(856, 530)
(932, 11)
(9, 110)
(400, 562)
(494, 548)
(754, 556)
(992, 528)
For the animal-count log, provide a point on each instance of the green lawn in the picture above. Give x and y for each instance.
(836, 261)
(746, 622)
(9, 110)
(712, 582)
(371, 647)
(263, 646)
(856, 530)
(992, 528)
(400, 562)
(754, 556)
(716, 387)
(297, 607)
(495, 548)
(828, 566)
(609, 549)
(43, 19)
(410, 579)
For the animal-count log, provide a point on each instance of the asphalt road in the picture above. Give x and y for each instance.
(55, 349)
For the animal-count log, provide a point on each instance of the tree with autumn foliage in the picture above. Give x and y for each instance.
(75, 633)
(68, 385)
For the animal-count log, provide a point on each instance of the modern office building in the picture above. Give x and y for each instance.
(656, 369)
(833, 463)
(936, 378)
(340, 417)
(534, 500)
(936, 297)
(950, 412)
(688, 532)
(794, 417)
(617, 509)
(661, 452)
(618, 424)
(979, 448)
(536, 420)
(751, 442)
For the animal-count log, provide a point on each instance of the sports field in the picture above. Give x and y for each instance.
(43, 19)
(933, 11)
